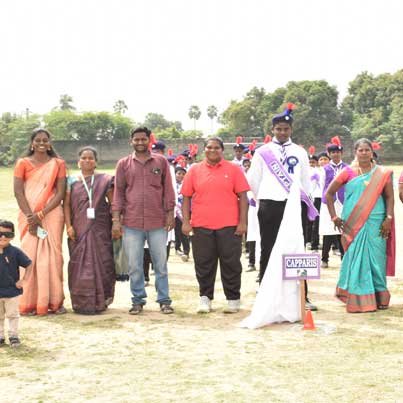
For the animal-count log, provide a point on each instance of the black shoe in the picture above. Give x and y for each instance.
(309, 306)
(14, 341)
(136, 309)
(166, 309)
(2, 341)
(251, 267)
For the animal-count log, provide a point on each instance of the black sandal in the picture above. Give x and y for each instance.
(14, 341)
(166, 309)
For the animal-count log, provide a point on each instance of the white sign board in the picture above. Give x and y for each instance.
(301, 266)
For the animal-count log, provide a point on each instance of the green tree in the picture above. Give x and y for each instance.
(194, 113)
(317, 116)
(15, 136)
(372, 108)
(212, 112)
(170, 133)
(65, 103)
(120, 107)
(225, 134)
(59, 123)
(157, 122)
(246, 117)
(192, 134)
(122, 126)
(391, 132)
(89, 126)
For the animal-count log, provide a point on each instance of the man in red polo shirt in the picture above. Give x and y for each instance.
(216, 189)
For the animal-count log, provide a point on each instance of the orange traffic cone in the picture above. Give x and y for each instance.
(308, 321)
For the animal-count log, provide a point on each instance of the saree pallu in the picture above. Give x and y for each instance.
(91, 268)
(44, 289)
(362, 281)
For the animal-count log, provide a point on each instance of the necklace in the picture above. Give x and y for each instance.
(361, 171)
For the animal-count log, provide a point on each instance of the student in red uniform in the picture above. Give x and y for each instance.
(217, 190)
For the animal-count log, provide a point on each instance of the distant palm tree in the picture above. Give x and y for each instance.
(212, 112)
(65, 103)
(194, 113)
(120, 107)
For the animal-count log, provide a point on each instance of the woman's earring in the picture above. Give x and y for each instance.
(32, 148)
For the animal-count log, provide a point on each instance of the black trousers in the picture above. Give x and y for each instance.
(270, 215)
(180, 238)
(313, 227)
(252, 252)
(328, 241)
(210, 247)
(146, 264)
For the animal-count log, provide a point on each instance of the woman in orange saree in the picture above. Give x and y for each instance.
(367, 232)
(39, 186)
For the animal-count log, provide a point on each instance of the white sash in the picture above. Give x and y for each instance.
(278, 300)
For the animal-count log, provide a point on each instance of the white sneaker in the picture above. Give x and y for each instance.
(204, 305)
(234, 305)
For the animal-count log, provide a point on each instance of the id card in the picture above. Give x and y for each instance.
(90, 213)
(41, 233)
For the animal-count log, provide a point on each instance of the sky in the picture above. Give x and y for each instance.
(164, 55)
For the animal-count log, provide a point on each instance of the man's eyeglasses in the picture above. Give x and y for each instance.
(7, 234)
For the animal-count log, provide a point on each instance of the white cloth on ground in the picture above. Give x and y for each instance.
(278, 300)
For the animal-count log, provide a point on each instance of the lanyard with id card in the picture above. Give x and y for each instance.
(90, 210)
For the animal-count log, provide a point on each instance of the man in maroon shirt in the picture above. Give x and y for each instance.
(143, 209)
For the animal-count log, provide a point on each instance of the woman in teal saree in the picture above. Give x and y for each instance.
(367, 231)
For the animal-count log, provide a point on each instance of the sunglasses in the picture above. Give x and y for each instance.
(7, 234)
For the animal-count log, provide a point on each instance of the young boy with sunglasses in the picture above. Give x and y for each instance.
(11, 282)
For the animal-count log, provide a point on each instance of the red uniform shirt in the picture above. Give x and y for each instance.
(213, 189)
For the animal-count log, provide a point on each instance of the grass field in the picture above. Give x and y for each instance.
(187, 357)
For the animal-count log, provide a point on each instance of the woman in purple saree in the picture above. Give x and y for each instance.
(91, 268)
